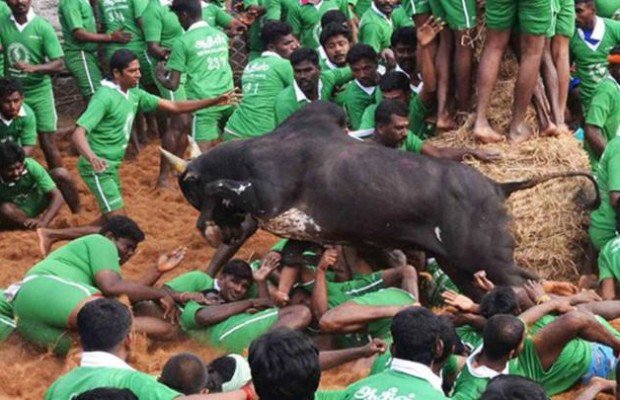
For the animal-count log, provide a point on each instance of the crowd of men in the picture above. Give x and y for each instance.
(403, 73)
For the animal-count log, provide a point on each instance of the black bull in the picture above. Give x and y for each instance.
(308, 180)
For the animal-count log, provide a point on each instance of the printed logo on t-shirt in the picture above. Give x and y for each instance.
(17, 52)
(368, 393)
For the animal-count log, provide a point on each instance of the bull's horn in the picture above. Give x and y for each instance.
(194, 150)
(179, 164)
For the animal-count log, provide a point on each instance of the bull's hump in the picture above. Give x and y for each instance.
(294, 224)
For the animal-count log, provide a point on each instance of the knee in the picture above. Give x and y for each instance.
(60, 174)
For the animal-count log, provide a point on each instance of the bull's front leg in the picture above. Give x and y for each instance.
(207, 226)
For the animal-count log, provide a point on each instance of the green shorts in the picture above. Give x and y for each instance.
(85, 69)
(44, 107)
(458, 14)
(600, 236)
(382, 298)
(565, 19)
(208, 123)
(416, 7)
(533, 17)
(105, 186)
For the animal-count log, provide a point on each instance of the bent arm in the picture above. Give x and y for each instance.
(594, 136)
(211, 315)
(112, 285)
(82, 35)
(157, 51)
(351, 317)
(81, 143)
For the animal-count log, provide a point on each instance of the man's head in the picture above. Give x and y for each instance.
(12, 165)
(614, 63)
(503, 337)
(452, 343)
(107, 394)
(336, 40)
(513, 387)
(333, 17)
(394, 85)
(417, 336)
(404, 42)
(104, 325)
(235, 280)
(285, 366)
(363, 61)
(585, 13)
(125, 233)
(186, 373)
(278, 37)
(125, 69)
(306, 67)
(19, 7)
(187, 11)
(500, 300)
(11, 98)
(386, 6)
(228, 373)
(391, 123)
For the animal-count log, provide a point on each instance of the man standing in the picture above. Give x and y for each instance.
(304, 17)
(378, 24)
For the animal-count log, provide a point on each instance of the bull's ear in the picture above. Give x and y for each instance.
(194, 150)
(178, 163)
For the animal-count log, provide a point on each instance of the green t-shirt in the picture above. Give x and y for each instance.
(376, 28)
(160, 24)
(35, 43)
(441, 281)
(417, 118)
(6, 308)
(194, 281)
(216, 16)
(202, 54)
(609, 261)
(356, 98)
(608, 9)
(262, 80)
(76, 14)
(469, 335)
(608, 178)
(34, 184)
(21, 130)
(82, 379)
(590, 59)
(109, 117)
(404, 380)
(80, 260)
(123, 14)
(604, 112)
(254, 42)
(292, 98)
(305, 19)
(5, 11)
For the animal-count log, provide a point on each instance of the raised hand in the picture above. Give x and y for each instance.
(458, 301)
(429, 30)
(168, 262)
(271, 261)
(329, 258)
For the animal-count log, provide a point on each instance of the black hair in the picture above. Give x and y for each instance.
(500, 300)
(121, 226)
(386, 108)
(239, 269)
(333, 17)
(219, 371)
(10, 154)
(404, 35)
(304, 54)
(192, 8)
(121, 59)
(502, 334)
(8, 86)
(452, 343)
(415, 331)
(394, 80)
(185, 372)
(273, 31)
(285, 366)
(513, 387)
(298, 253)
(614, 50)
(361, 51)
(107, 393)
(334, 29)
(103, 324)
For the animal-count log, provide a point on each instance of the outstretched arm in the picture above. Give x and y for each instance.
(188, 106)
(426, 34)
(119, 36)
(210, 315)
(333, 358)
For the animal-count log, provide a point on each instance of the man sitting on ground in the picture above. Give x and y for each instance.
(19, 124)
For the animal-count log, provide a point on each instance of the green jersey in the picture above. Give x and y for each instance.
(73, 15)
(608, 178)
(160, 24)
(404, 380)
(35, 42)
(123, 14)
(34, 185)
(80, 260)
(202, 54)
(215, 16)
(293, 98)
(469, 335)
(473, 379)
(21, 130)
(305, 19)
(591, 59)
(109, 118)
(119, 376)
(609, 261)
(441, 281)
(194, 281)
(604, 112)
(417, 118)
(5, 12)
(356, 98)
(376, 28)
(608, 9)
(262, 80)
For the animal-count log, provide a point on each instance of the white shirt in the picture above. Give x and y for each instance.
(418, 370)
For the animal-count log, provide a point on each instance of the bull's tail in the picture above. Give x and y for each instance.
(509, 188)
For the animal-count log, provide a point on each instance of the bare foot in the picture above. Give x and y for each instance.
(485, 134)
(550, 131)
(45, 243)
(446, 122)
(519, 134)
